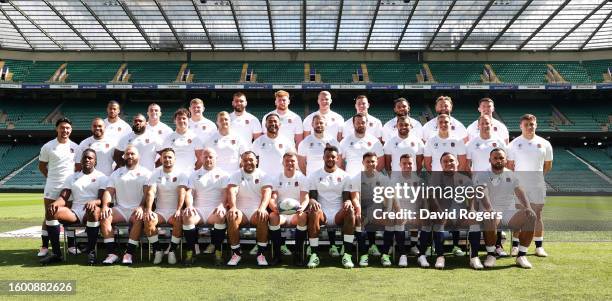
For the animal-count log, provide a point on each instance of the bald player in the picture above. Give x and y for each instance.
(148, 143)
(100, 143)
(401, 107)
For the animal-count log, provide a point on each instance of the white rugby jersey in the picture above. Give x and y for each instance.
(436, 146)
(312, 148)
(374, 127)
(60, 159)
(499, 188)
(249, 188)
(147, 143)
(116, 130)
(85, 188)
(270, 152)
(333, 121)
(498, 130)
(353, 148)
(368, 183)
(184, 146)
(290, 187)
(105, 148)
(129, 185)
(479, 150)
(290, 124)
(530, 155)
(456, 129)
(203, 128)
(396, 147)
(207, 187)
(167, 185)
(390, 128)
(330, 187)
(228, 149)
(160, 129)
(245, 125)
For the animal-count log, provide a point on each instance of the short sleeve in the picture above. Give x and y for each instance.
(460, 147)
(420, 147)
(312, 183)
(428, 151)
(388, 148)
(235, 179)
(111, 180)
(302, 149)
(548, 156)
(78, 153)
(123, 142)
(44, 154)
(307, 124)
(378, 148)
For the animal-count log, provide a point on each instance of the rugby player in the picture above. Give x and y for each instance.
(401, 107)
(290, 123)
(310, 150)
(227, 144)
(289, 184)
(441, 143)
(486, 107)
(127, 186)
(116, 128)
(271, 146)
(334, 120)
(245, 124)
(502, 187)
(531, 156)
(185, 143)
(401, 144)
(154, 123)
(334, 201)
(206, 205)
(444, 106)
(100, 143)
(147, 143)
(249, 192)
(374, 126)
(56, 164)
(86, 187)
(200, 125)
(354, 146)
(168, 189)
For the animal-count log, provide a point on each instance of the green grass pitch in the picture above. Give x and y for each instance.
(578, 268)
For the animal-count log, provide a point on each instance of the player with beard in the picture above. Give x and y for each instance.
(56, 164)
(116, 128)
(154, 124)
(310, 150)
(354, 146)
(86, 187)
(334, 201)
(334, 120)
(100, 143)
(290, 123)
(206, 204)
(444, 106)
(168, 188)
(502, 188)
(147, 143)
(249, 192)
(227, 144)
(374, 126)
(127, 186)
(401, 107)
(271, 146)
(244, 123)
(403, 143)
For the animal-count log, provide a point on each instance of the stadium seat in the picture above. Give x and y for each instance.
(596, 69)
(278, 72)
(520, 73)
(455, 72)
(393, 72)
(571, 175)
(41, 71)
(573, 72)
(336, 72)
(596, 157)
(215, 72)
(153, 72)
(91, 72)
(19, 69)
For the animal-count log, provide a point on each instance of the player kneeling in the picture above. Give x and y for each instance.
(288, 203)
(502, 186)
(205, 204)
(332, 194)
(249, 192)
(168, 187)
(86, 187)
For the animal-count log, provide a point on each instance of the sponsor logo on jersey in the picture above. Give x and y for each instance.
(539, 145)
(508, 180)
(107, 145)
(72, 150)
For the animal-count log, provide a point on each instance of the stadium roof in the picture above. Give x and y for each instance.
(410, 25)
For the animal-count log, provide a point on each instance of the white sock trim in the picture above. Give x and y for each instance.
(490, 248)
(314, 242)
(44, 233)
(301, 228)
(109, 240)
(523, 249)
(348, 238)
(415, 239)
(220, 226)
(93, 224)
(358, 229)
(188, 227)
(175, 240)
(390, 228)
(274, 228)
(398, 228)
(133, 242)
(515, 239)
(474, 228)
(153, 239)
(539, 238)
(262, 244)
(234, 247)
(70, 234)
(52, 223)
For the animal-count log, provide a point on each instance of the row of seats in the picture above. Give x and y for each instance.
(14, 156)
(571, 175)
(596, 157)
(293, 72)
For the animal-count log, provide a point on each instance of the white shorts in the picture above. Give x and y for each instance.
(507, 216)
(52, 192)
(330, 215)
(536, 195)
(79, 210)
(166, 213)
(204, 213)
(288, 218)
(248, 212)
(125, 212)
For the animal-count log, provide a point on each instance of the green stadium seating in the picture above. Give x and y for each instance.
(597, 68)
(13, 157)
(454, 72)
(91, 72)
(216, 72)
(41, 71)
(21, 114)
(596, 157)
(571, 175)
(511, 113)
(81, 113)
(573, 72)
(393, 72)
(153, 72)
(29, 177)
(336, 72)
(278, 72)
(19, 69)
(582, 117)
(520, 73)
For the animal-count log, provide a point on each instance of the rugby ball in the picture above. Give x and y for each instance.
(288, 206)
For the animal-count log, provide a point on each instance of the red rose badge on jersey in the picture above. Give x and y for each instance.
(289, 120)
(189, 141)
(174, 179)
(494, 144)
(159, 132)
(118, 129)
(539, 145)
(256, 181)
(246, 121)
(147, 140)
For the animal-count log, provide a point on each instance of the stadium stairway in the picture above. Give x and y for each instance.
(598, 158)
(573, 72)
(20, 116)
(596, 69)
(19, 69)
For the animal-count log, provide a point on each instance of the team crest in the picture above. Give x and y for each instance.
(311, 144)
(369, 143)
(508, 180)
(216, 176)
(494, 144)
(495, 128)
(204, 127)
(280, 145)
(147, 140)
(107, 145)
(539, 145)
(452, 127)
(159, 132)
(174, 179)
(520, 145)
(246, 121)
(289, 120)
(189, 141)
(371, 124)
(233, 141)
(93, 180)
(216, 141)
(339, 179)
(138, 174)
(119, 129)
(333, 119)
(296, 184)
(412, 144)
(256, 181)
(72, 150)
